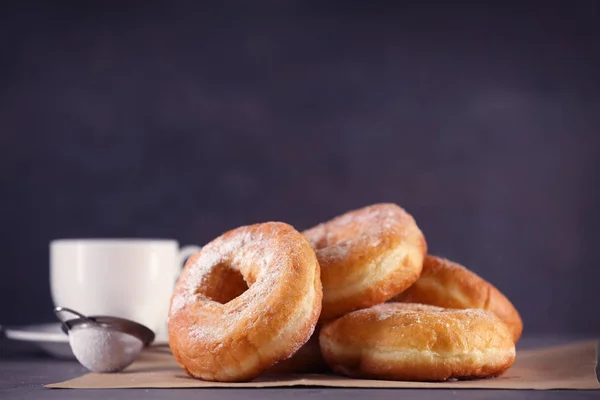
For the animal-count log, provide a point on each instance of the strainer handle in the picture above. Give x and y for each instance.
(58, 311)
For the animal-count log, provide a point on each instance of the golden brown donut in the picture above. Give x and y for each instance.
(218, 330)
(402, 341)
(444, 283)
(366, 256)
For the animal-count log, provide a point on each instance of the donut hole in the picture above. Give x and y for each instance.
(224, 284)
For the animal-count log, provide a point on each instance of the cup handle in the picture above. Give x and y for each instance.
(185, 252)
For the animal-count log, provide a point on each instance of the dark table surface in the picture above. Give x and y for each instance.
(23, 372)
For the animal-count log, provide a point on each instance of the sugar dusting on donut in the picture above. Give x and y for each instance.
(233, 250)
(221, 251)
(367, 256)
(220, 332)
(337, 251)
(367, 225)
(404, 341)
(205, 332)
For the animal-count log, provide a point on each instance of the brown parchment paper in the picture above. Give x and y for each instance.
(570, 366)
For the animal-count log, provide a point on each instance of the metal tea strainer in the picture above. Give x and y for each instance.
(104, 343)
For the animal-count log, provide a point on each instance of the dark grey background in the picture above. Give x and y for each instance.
(189, 119)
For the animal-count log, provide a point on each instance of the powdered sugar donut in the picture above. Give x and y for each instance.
(406, 341)
(247, 300)
(366, 256)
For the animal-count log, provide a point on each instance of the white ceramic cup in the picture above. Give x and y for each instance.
(127, 278)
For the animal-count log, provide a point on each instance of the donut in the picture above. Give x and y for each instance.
(413, 342)
(444, 283)
(366, 256)
(248, 299)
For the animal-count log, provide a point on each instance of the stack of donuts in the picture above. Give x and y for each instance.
(358, 295)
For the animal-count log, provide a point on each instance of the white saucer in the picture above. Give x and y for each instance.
(51, 339)
(48, 337)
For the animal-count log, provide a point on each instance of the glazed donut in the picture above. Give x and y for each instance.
(366, 256)
(402, 341)
(444, 283)
(218, 330)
